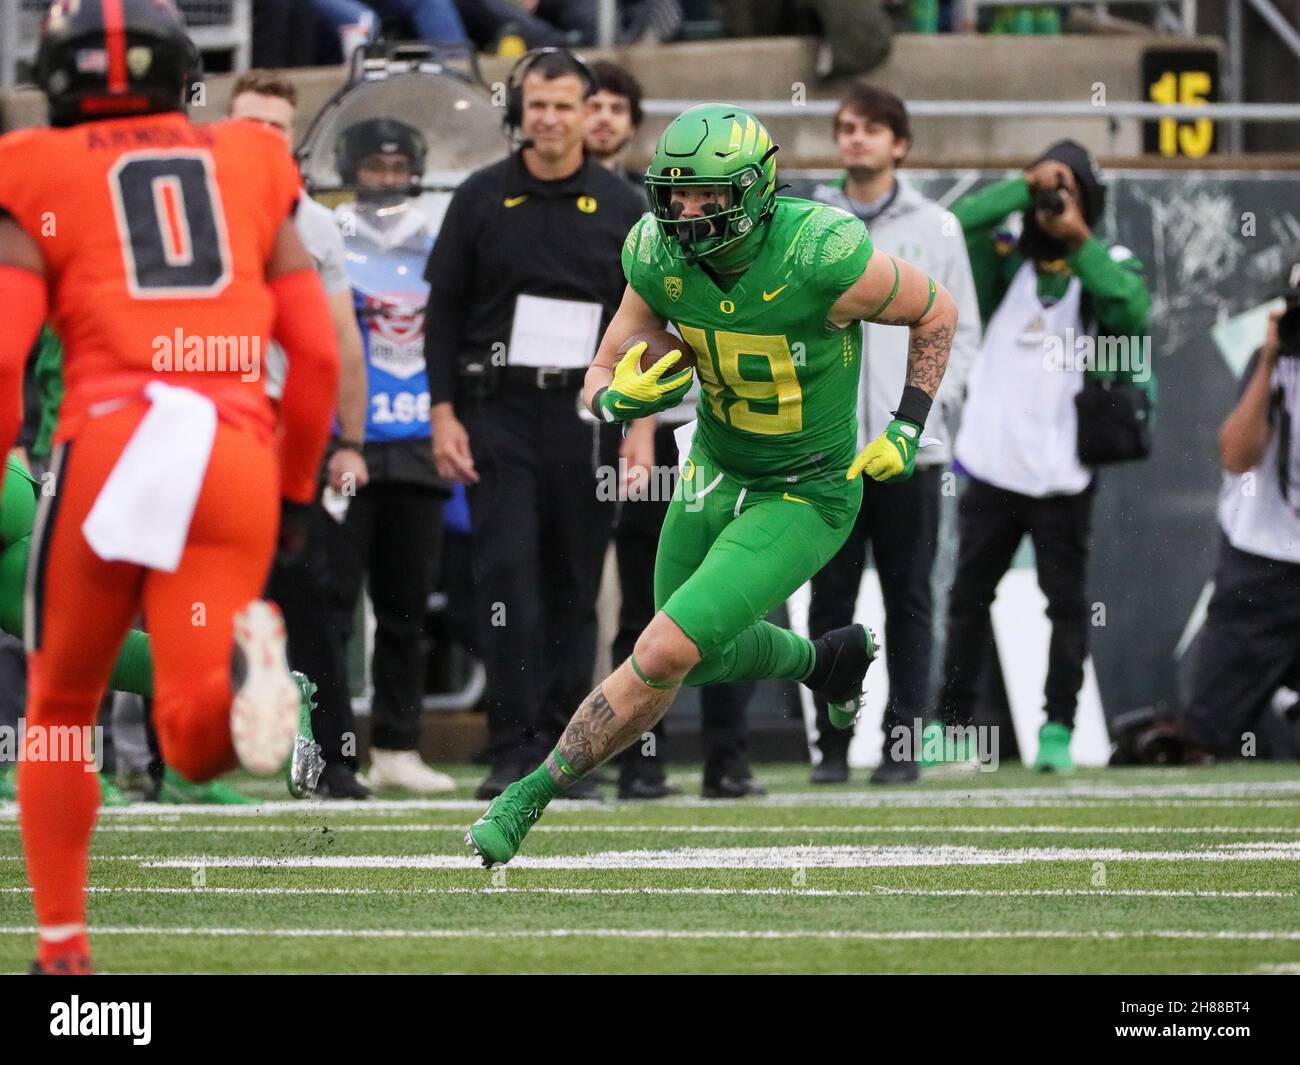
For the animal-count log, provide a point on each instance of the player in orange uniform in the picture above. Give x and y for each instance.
(164, 254)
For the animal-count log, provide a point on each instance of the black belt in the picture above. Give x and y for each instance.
(543, 377)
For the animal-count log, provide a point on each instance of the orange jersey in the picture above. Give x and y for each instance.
(155, 233)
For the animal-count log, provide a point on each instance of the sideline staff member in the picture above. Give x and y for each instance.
(523, 279)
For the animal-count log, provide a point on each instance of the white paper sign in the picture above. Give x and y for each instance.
(553, 333)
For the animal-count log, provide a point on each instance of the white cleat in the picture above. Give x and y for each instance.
(264, 710)
(406, 770)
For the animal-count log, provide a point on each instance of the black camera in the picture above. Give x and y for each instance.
(1049, 201)
(1288, 330)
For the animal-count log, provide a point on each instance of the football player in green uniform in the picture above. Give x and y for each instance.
(768, 291)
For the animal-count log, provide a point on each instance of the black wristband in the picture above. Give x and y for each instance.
(349, 445)
(595, 408)
(914, 407)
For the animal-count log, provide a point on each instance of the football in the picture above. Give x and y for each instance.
(659, 342)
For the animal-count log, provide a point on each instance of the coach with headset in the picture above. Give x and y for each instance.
(523, 278)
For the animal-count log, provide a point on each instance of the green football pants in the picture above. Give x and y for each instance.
(729, 555)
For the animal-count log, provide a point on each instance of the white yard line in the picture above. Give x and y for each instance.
(843, 857)
(709, 830)
(815, 893)
(675, 933)
(1064, 795)
(1129, 893)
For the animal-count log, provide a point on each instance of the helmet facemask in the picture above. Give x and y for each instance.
(716, 237)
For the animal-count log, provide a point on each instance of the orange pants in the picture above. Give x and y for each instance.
(80, 608)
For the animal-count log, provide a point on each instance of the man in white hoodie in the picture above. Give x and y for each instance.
(900, 520)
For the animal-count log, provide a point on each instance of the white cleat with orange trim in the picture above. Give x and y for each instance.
(264, 710)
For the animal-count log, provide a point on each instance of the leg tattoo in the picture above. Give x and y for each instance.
(597, 732)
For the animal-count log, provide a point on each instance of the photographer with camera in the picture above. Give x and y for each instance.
(1250, 645)
(1061, 385)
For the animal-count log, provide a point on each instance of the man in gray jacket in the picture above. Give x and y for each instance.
(900, 520)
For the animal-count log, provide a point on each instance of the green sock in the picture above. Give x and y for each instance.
(133, 670)
(762, 652)
(543, 785)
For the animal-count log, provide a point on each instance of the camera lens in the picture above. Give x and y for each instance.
(1048, 201)
(1288, 329)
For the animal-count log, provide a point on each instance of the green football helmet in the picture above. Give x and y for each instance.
(714, 145)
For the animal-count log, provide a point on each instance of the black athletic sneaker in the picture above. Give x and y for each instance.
(647, 789)
(833, 769)
(500, 778)
(337, 781)
(582, 789)
(843, 658)
(892, 772)
(733, 788)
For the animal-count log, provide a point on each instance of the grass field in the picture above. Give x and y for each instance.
(1142, 871)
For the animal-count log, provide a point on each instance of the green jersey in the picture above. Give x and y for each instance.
(779, 383)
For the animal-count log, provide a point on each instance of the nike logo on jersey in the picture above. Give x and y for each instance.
(768, 297)
(514, 201)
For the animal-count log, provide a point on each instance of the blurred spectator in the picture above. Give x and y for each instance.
(316, 647)
(507, 27)
(650, 21)
(389, 532)
(1024, 19)
(854, 36)
(283, 33)
(537, 23)
(1250, 645)
(349, 23)
(525, 274)
(899, 520)
(1045, 296)
(342, 26)
(613, 116)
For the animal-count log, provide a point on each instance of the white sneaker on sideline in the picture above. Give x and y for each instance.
(405, 770)
(264, 709)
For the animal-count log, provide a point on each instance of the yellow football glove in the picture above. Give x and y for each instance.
(891, 456)
(634, 394)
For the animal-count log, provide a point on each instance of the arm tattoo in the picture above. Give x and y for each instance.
(927, 358)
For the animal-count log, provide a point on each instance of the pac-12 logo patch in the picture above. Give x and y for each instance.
(673, 286)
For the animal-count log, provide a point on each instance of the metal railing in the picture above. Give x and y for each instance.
(1231, 115)
(214, 25)
(1135, 110)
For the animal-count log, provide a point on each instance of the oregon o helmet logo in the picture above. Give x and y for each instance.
(675, 172)
(587, 204)
(727, 307)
